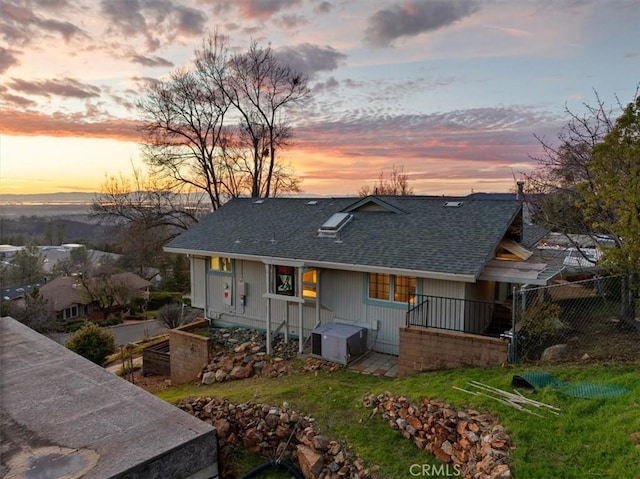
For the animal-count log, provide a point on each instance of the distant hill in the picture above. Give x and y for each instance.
(68, 198)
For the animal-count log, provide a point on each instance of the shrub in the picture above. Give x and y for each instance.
(157, 299)
(92, 342)
(72, 325)
(174, 315)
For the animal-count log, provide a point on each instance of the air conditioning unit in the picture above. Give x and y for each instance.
(338, 342)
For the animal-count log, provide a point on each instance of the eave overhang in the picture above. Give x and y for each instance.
(519, 272)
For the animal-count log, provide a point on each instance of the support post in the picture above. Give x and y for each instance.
(266, 267)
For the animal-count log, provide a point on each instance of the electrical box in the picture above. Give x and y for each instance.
(339, 343)
(242, 288)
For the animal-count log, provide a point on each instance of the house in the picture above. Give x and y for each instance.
(63, 416)
(65, 297)
(381, 263)
(134, 282)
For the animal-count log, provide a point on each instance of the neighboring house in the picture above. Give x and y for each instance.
(134, 282)
(65, 297)
(580, 254)
(291, 264)
(18, 293)
(8, 251)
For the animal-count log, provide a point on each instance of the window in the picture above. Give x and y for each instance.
(404, 287)
(285, 280)
(379, 286)
(384, 287)
(220, 264)
(310, 284)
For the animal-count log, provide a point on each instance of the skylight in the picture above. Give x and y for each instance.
(334, 224)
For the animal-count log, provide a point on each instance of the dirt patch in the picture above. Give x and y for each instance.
(151, 383)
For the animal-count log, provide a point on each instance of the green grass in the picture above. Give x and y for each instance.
(590, 437)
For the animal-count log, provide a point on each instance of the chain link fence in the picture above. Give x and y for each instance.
(594, 319)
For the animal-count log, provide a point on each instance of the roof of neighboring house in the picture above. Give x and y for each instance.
(65, 291)
(62, 292)
(132, 280)
(18, 291)
(417, 235)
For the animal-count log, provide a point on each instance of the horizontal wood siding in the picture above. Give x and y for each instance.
(156, 359)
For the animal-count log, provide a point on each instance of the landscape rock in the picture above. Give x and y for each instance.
(556, 352)
(310, 462)
(272, 431)
(473, 442)
(208, 378)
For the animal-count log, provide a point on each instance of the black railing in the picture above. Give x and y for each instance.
(450, 313)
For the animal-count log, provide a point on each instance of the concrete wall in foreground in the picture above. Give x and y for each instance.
(428, 349)
(63, 415)
(189, 352)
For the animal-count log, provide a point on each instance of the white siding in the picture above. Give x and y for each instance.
(253, 313)
(443, 288)
(348, 300)
(343, 298)
(198, 288)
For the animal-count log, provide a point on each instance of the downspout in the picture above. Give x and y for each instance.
(318, 299)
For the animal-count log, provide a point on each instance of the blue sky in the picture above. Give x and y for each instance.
(451, 91)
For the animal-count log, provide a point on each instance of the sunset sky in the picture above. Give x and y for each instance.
(453, 91)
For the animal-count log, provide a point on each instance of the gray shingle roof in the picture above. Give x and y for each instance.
(424, 237)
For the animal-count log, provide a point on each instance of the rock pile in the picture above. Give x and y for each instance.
(470, 441)
(277, 432)
(241, 353)
(224, 339)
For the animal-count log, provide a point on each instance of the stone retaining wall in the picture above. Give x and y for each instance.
(428, 349)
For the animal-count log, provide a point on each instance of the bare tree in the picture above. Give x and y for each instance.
(261, 90)
(211, 132)
(145, 213)
(397, 184)
(183, 127)
(106, 289)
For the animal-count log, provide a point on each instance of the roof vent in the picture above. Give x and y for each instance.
(334, 224)
(453, 204)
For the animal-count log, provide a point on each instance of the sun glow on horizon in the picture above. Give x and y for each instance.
(52, 165)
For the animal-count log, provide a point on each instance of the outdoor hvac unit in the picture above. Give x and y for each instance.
(338, 342)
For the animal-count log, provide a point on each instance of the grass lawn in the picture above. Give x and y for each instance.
(590, 437)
